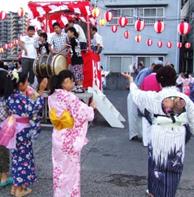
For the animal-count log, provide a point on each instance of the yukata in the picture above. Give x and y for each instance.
(149, 83)
(68, 141)
(23, 167)
(133, 115)
(168, 133)
(4, 152)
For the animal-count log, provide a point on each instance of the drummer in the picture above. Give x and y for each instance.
(44, 46)
(58, 41)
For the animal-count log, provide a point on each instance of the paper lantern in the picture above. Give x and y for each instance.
(108, 16)
(188, 45)
(169, 44)
(139, 25)
(96, 12)
(1, 50)
(138, 38)
(114, 28)
(126, 34)
(179, 45)
(21, 12)
(16, 42)
(102, 22)
(159, 27)
(6, 46)
(184, 28)
(123, 21)
(2, 15)
(10, 45)
(159, 44)
(149, 42)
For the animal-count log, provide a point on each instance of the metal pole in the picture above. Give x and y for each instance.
(88, 32)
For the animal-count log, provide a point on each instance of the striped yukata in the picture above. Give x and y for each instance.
(166, 149)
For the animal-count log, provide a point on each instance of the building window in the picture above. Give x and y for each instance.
(150, 15)
(127, 12)
(118, 64)
(148, 60)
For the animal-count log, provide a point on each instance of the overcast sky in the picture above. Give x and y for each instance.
(14, 5)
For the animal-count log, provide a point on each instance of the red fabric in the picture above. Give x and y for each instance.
(150, 83)
(91, 70)
(80, 10)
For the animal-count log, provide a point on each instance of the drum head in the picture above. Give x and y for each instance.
(58, 64)
(43, 66)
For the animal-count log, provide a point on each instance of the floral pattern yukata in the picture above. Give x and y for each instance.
(67, 143)
(23, 168)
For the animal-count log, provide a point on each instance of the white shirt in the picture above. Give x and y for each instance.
(30, 45)
(97, 39)
(80, 31)
(58, 41)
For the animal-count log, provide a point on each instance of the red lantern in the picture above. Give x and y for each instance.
(95, 12)
(114, 28)
(16, 42)
(159, 27)
(139, 25)
(10, 45)
(123, 21)
(138, 38)
(188, 45)
(21, 12)
(179, 45)
(169, 44)
(108, 16)
(149, 42)
(160, 44)
(184, 28)
(126, 34)
(2, 15)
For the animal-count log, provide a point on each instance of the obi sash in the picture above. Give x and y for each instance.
(64, 121)
(9, 129)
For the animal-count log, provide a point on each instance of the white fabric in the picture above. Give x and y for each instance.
(135, 124)
(30, 44)
(80, 31)
(145, 131)
(97, 39)
(152, 101)
(164, 138)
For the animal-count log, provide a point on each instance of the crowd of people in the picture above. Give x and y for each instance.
(159, 101)
(21, 108)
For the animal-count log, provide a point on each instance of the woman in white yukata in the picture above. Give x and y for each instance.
(171, 128)
(69, 117)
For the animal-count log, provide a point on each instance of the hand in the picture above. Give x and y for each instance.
(93, 104)
(127, 76)
(43, 85)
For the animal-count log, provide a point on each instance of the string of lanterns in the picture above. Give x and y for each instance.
(183, 28)
(14, 43)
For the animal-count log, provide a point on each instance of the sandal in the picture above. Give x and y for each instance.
(13, 190)
(23, 193)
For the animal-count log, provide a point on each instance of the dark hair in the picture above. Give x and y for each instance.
(166, 76)
(6, 87)
(157, 67)
(44, 35)
(22, 79)
(94, 29)
(31, 28)
(73, 30)
(56, 24)
(56, 81)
